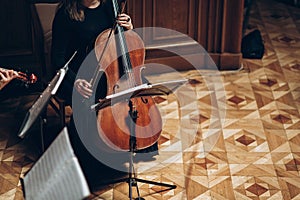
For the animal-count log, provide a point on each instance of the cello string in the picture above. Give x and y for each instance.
(127, 67)
(130, 75)
(98, 67)
(128, 71)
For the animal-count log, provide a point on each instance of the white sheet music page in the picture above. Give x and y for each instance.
(57, 174)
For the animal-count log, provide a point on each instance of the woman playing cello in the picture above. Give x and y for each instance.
(76, 25)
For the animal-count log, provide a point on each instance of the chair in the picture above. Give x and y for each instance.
(46, 12)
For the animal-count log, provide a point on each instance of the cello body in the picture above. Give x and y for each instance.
(115, 124)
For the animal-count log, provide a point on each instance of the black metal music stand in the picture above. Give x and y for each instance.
(39, 105)
(164, 88)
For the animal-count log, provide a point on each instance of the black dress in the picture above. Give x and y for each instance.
(70, 35)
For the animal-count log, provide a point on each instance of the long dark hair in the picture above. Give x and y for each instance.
(75, 9)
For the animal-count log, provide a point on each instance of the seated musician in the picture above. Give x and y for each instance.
(76, 25)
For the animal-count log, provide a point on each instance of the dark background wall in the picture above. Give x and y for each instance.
(215, 24)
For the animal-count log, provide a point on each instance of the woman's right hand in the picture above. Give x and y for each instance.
(83, 87)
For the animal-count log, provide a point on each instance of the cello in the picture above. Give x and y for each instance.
(121, 59)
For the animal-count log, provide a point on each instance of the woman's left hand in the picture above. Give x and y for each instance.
(125, 21)
(6, 76)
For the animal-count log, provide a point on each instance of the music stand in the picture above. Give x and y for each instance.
(148, 89)
(42, 101)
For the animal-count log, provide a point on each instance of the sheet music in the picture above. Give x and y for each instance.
(43, 99)
(148, 89)
(62, 73)
(38, 106)
(57, 174)
(129, 91)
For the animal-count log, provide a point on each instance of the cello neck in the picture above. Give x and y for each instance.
(122, 47)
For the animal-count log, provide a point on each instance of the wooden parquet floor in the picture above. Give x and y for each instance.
(236, 140)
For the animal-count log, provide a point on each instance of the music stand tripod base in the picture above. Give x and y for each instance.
(132, 180)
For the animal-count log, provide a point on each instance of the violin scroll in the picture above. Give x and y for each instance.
(27, 79)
